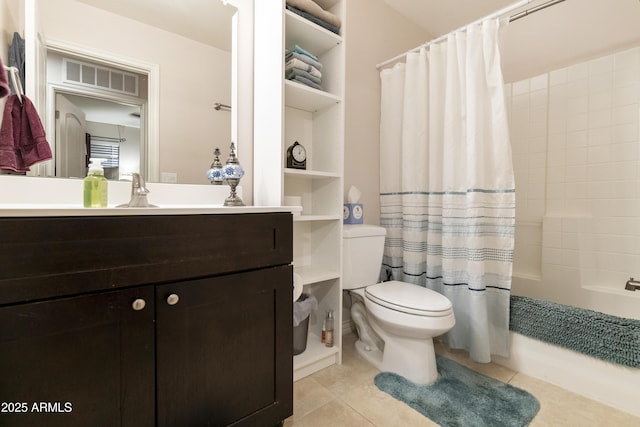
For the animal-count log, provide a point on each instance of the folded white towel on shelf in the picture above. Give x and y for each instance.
(325, 4)
(298, 64)
(314, 9)
(304, 58)
(305, 81)
(291, 73)
(301, 51)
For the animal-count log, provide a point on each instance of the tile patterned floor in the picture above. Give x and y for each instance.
(345, 395)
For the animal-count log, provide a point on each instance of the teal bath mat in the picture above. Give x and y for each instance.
(463, 398)
(606, 337)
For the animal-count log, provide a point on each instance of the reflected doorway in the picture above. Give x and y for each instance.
(97, 108)
(90, 127)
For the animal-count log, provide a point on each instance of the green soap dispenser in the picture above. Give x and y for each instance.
(96, 185)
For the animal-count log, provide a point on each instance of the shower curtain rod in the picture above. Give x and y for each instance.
(107, 138)
(496, 14)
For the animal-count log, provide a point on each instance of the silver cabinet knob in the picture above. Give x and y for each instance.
(173, 299)
(138, 304)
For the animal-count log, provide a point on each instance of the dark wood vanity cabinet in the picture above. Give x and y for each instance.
(83, 360)
(220, 349)
(210, 344)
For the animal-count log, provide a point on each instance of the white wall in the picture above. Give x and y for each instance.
(242, 86)
(10, 18)
(193, 76)
(375, 33)
(576, 148)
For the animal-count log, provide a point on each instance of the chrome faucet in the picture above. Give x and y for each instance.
(139, 193)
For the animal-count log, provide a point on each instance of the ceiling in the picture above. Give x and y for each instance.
(439, 17)
(206, 21)
(586, 22)
(103, 111)
(209, 21)
(572, 30)
(562, 34)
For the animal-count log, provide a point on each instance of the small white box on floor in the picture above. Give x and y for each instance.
(353, 213)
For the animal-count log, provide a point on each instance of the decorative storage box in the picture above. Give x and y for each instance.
(353, 213)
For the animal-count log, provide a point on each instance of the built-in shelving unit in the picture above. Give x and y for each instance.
(315, 118)
(307, 98)
(287, 112)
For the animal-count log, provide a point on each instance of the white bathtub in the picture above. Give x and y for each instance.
(605, 382)
(611, 384)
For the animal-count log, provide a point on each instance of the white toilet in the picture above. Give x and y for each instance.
(396, 321)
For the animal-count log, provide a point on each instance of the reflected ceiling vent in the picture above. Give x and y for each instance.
(99, 77)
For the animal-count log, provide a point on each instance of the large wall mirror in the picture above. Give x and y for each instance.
(177, 55)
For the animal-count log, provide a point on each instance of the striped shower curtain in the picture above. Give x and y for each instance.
(446, 182)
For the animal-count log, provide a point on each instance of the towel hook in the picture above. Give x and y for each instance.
(15, 82)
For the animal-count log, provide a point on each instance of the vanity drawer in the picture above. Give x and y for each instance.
(44, 257)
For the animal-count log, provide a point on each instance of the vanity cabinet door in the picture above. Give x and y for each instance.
(78, 361)
(224, 350)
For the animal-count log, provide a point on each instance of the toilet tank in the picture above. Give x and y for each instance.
(362, 248)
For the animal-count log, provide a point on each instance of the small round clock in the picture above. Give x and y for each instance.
(297, 156)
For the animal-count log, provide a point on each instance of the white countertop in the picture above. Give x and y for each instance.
(35, 210)
(38, 197)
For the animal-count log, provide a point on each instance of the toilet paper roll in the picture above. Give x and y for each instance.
(297, 286)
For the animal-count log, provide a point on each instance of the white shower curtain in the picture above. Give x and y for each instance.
(446, 182)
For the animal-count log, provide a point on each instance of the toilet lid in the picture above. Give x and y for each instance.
(408, 298)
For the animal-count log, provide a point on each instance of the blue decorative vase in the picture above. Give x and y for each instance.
(214, 173)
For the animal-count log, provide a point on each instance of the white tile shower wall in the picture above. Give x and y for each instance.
(581, 126)
(528, 113)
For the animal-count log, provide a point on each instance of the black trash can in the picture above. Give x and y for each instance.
(300, 333)
(301, 311)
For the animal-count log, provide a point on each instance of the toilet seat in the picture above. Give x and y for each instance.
(408, 298)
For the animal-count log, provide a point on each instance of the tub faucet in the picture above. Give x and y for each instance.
(632, 285)
(139, 193)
